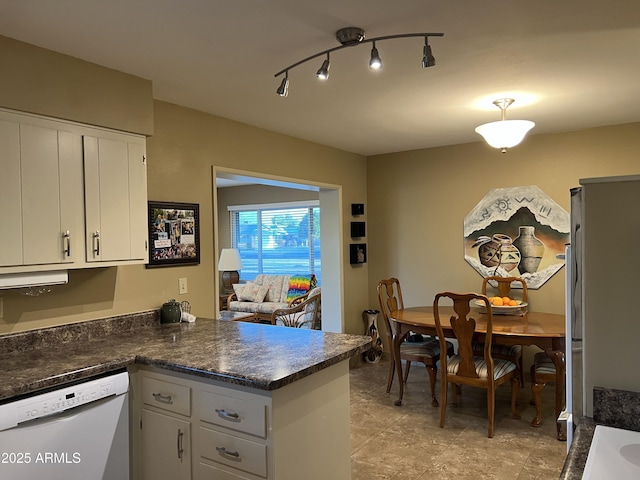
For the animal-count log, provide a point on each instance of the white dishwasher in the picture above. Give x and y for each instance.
(77, 431)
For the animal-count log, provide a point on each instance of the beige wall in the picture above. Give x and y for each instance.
(41, 81)
(418, 201)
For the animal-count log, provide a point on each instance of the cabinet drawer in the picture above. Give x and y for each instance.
(233, 451)
(166, 395)
(207, 472)
(243, 415)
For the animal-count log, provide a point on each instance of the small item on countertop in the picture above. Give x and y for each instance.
(187, 317)
(170, 312)
(185, 306)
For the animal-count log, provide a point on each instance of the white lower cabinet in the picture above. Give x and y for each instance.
(299, 431)
(166, 447)
(165, 429)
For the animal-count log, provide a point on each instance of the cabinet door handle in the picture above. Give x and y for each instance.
(67, 241)
(96, 243)
(233, 417)
(179, 446)
(159, 397)
(224, 451)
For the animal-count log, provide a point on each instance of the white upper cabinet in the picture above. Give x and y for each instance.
(115, 199)
(72, 196)
(40, 193)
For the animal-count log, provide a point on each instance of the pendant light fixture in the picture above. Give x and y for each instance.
(352, 36)
(504, 133)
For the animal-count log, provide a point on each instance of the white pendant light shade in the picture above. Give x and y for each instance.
(505, 133)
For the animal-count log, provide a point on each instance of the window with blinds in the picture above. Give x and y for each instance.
(277, 238)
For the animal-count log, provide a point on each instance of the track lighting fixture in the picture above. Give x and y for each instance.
(352, 36)
(505, 133)
(428, 59)
(283, 89)
(323, 72)
(376, 62)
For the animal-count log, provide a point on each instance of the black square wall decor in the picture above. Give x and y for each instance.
(357, 209)
(357, 229)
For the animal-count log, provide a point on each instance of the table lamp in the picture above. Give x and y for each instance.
(229, 264)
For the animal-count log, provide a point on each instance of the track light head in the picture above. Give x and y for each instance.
(376, 62)
(428, 60)
(323, 72)
(283, 89)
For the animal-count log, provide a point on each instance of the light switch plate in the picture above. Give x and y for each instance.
(182, 284)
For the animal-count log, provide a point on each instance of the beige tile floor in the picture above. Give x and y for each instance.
(406, 443)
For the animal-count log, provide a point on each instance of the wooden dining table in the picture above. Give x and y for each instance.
(545, 330)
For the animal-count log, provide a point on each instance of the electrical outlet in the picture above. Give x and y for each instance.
(182, 284)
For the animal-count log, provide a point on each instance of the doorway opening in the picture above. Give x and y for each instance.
(256, 188)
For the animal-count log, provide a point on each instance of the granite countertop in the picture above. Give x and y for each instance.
(611, 407)
(579, 451)
(265, 357)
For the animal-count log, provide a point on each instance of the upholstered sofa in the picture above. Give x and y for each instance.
(267, 293)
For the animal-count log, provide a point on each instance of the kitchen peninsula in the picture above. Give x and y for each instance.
(295, 381)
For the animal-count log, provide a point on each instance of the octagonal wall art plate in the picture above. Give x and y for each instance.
(516, 232)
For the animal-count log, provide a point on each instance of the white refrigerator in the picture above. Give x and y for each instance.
(603, 292)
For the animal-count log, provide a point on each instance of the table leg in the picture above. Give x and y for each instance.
(559, 362)
(397, 340)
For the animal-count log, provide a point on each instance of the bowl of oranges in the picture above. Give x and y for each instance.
(504, 306)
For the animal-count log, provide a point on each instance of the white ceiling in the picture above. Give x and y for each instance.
(570, 64)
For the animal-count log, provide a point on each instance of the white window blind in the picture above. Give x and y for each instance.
(277, 238)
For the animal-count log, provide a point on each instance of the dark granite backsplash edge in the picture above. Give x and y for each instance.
(80, 331)
(616, 408)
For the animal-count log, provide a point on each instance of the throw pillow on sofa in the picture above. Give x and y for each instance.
(250, 292)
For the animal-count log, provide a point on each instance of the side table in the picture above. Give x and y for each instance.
(237, 316)
(222, 299)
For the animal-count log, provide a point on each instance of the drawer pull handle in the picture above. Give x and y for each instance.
(232, 417)
(224, 451)
(163, 398)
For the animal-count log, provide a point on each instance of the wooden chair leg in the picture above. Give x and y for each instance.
(392, 371)
(536, 388)
(406, 372)
(560, 427)
(443, 399)
(521, 370)
(433, 372)
(491, 410)
(515, 389)
(455, 390)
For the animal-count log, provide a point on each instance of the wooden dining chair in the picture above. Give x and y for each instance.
(513, 353)
(543, 371)
(465, 368)
(426, 352)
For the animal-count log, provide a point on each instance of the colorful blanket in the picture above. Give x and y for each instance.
(299, 285)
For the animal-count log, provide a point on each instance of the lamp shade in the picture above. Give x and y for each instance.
(505, 134)
(229, 260)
